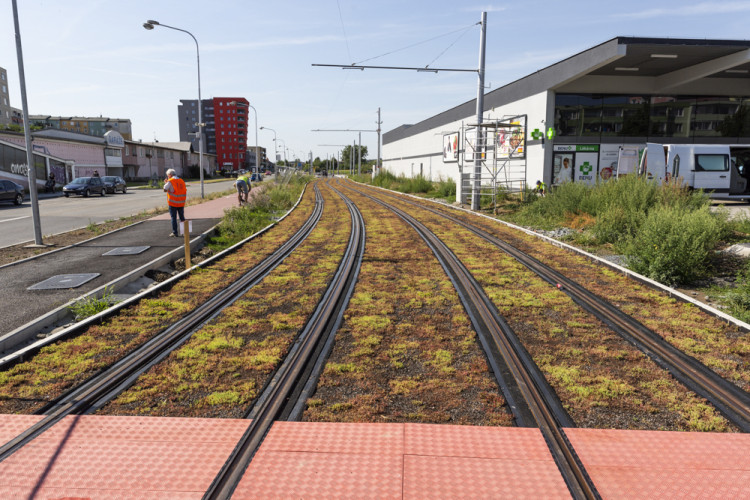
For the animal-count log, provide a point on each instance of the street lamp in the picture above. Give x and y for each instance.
(275, 150)
(149, 25)
(284, 150)
(257, 148)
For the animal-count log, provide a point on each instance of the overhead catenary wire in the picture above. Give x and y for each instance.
(343, 28)
(464, 30)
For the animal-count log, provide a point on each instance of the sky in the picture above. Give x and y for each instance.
(93, 57)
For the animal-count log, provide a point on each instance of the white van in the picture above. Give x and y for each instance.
(722, 169)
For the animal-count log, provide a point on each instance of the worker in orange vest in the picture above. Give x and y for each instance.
(176, 196)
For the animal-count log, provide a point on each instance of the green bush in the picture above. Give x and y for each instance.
(446, 189)
(674, 244)
(416, 184)
(385, 179)
(738, 299)
(91, 305)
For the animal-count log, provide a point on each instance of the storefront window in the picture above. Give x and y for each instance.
(625, 116)
(671, 116)
(578, 115)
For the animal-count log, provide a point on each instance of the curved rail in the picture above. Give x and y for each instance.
(103, 387)
(302, 365)
(730, 400)
(545, 409)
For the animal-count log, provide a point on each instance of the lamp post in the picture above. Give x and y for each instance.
(149, 25)
(284, 150)
(275, 151)
(257, 148)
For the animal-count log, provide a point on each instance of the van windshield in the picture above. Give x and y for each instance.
(712, 163)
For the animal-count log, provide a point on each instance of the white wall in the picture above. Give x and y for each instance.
(404, 156)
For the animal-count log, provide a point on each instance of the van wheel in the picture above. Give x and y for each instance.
(19, 199)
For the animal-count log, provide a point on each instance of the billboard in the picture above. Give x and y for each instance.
(450, 148)
(511, 141)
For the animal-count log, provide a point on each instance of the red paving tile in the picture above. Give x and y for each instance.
(325, 437)
(461, 477)
(177, 458)
(650, 464)
(213, 209)
(479, 442)
(277, 474)
(105, 456)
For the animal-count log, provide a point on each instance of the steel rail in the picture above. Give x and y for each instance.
(543, 404)
(285, 392)
(730, 400)
(107, 384)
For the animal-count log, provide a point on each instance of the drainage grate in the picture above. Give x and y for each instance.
(64, 281)
(127, 250)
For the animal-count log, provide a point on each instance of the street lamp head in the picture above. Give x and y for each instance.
(151, 21)
(148, 26)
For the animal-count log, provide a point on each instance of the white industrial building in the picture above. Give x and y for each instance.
(596, 107)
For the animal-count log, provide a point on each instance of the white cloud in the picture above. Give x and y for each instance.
(485, 8)
(700, 9)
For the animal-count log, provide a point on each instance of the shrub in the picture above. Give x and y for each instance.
(738, 299)
(416, 184)
(91, 305)
(674, 244)
(385, 179)
(446, 189)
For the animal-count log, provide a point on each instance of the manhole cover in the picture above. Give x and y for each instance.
(127, 250)
(64, 281)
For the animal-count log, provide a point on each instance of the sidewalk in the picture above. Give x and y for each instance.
(22, 306)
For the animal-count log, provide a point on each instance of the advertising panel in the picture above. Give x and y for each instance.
(586, 168)
(450, 148)
(562, 168)
(511, 141)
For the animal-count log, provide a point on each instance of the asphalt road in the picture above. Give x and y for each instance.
(60, 214)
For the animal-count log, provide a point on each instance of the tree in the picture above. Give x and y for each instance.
(345, 155)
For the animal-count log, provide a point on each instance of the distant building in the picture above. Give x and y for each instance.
(96, 126)
(225, 133)
(6, 111)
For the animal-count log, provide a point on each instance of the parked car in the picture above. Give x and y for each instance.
(256, 177)
(114, 184)
(10, 191)
(85, 186)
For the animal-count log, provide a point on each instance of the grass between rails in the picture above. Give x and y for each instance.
(406, 351)
(602, 380)
(720, 346)
(221, 370)
(27, 386)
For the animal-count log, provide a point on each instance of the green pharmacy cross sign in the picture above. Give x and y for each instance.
(536, 134)
(586, 168)
(550, 133)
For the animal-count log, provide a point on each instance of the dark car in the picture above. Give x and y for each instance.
(256, 177)
(114, 184)
(85, 186)
(10, 191)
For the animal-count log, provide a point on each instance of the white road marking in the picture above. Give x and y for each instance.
(16, 218)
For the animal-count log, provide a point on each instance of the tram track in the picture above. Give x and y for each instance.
(531, 399)
(730, 400)
(102, 387)
(285, 395)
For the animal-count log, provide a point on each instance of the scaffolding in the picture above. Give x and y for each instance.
(500, 146)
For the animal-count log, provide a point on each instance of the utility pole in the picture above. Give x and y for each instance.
(376, 170)
(480, 112)
(359, 155)
(27, 133)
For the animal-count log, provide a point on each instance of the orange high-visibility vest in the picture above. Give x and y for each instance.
(177, 197)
